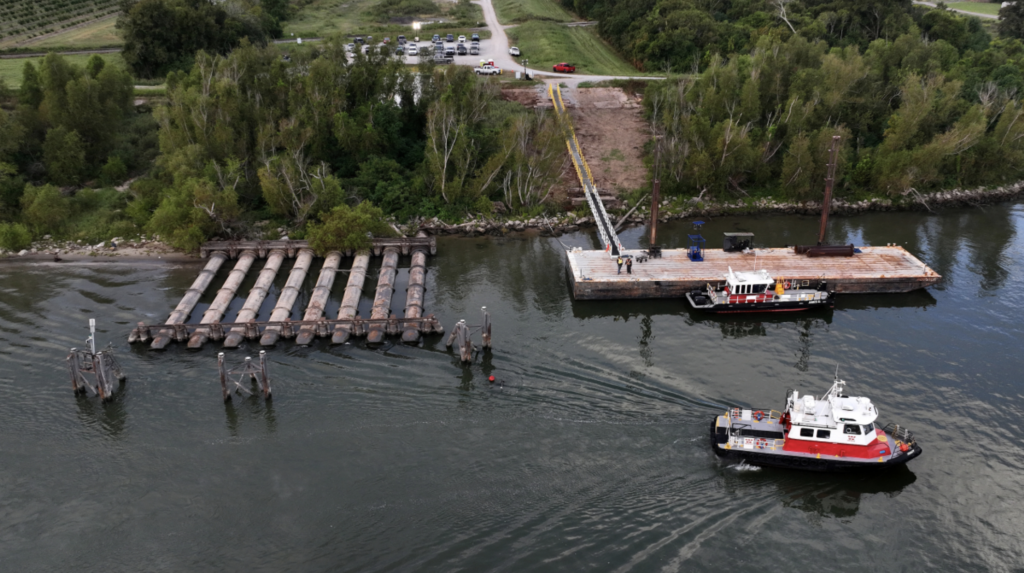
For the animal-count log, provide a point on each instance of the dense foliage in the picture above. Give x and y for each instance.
(164, 35)
(921, 98)
(250, 136)
(68, 125)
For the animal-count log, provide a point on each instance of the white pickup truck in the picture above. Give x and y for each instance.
(487, 70)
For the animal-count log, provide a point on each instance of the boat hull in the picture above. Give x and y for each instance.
(822, 464)
(769, 306)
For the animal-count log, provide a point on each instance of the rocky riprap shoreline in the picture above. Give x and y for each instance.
(690, 207)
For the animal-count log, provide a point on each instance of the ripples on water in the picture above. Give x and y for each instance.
(589, 454)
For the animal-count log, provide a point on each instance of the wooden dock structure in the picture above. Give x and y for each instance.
(889, 269)
(313, 324)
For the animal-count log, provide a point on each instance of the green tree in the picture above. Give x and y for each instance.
(64, 156)
(164, 35)
(347, 228)
(45, 209)
(1011, 20)
(14, 236)
(31, 91)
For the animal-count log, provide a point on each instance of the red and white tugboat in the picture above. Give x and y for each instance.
(835, 433)
(759, 292)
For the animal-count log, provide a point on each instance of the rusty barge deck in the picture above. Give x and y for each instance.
(592, 274)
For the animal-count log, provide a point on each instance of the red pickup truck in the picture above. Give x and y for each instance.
(564, 68)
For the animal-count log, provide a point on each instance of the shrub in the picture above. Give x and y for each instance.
(14, 236)
(113, 172)
(344, 228)
(45, 209)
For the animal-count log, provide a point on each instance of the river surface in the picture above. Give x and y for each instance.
(591, 454)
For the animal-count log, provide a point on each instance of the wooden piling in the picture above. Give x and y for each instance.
(224, 392)
(252, 305)
(188, 302)
(414, 294)
(350, 301)
(289, 294)
(385, 289)
(318, 300)
(224, 297)
(264, 377)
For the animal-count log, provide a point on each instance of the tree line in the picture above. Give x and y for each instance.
(922, 98)
(65, 126)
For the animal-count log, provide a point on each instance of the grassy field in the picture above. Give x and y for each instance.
(99, 34)
(519, 11)
(322, 18)
(976, 7)
(548, 43)
(10, 69)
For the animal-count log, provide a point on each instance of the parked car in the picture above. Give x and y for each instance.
(439, 47)
(462, 39)
(359, 40)
(450, 38)
(449, 51)
(414, 50)
(514, 51)
(401, 39)
(399, 51)
(436, 39)
(474, 50)
(564, 68)
(350, 48)
(366, 49)
(461, 49)
(475, 37)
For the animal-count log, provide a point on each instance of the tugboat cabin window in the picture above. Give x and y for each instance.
(806, 433)
(869, 428)
(851, 429)
(824, 434)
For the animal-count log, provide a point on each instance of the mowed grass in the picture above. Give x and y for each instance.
(519, 11)
(976, 7)
(321, 18)
(99, 34)
(547, 43)
(11, 69)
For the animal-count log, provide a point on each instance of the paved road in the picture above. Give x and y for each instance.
(498, 50)
(931, 4)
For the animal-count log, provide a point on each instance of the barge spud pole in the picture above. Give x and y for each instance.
(350, 301)
(224, 297)
(252, 305)
(289, 294)
(188, 302)
(318, 300)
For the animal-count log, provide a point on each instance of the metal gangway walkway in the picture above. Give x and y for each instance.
(605, 227)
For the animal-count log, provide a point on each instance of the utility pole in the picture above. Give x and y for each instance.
(826, 204)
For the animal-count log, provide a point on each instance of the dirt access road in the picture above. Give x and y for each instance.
(498, 51)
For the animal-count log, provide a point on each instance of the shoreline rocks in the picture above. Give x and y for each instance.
(686, 208)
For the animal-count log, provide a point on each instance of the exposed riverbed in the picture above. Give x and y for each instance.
(592, 456)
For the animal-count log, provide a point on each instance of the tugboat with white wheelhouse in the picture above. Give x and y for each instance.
(834, 434)
(758, 291)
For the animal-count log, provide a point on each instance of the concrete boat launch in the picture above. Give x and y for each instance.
(890, 269)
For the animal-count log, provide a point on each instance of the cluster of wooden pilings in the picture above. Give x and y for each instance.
(314, 322)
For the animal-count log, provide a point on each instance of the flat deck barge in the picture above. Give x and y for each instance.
(592, 274)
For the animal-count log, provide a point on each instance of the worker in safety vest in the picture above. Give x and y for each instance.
(619, 262)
